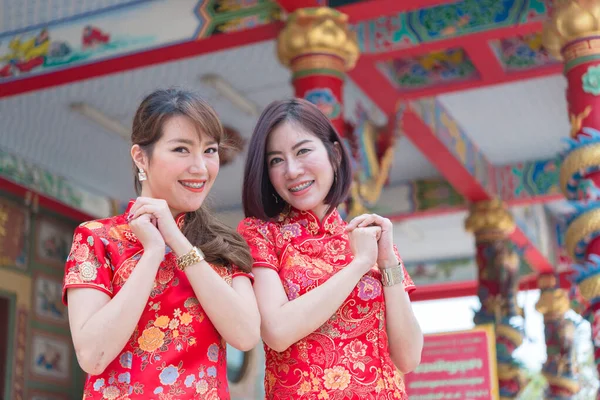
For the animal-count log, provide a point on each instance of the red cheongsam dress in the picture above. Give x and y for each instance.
(348, 356)
(175, 351)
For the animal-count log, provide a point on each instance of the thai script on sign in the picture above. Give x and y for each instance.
(451, 367)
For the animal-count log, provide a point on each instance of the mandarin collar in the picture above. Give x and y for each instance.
(331, 224)
(179, 219)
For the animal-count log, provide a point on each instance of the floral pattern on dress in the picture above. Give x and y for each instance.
(348, 356)
(175, 352)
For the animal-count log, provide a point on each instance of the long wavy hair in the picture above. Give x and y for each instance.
(259, 197)
(221, 245)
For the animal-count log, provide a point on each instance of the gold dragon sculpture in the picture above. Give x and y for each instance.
(372, 149)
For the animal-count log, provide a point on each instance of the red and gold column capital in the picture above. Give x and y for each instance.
(490, 220)
(319, 48)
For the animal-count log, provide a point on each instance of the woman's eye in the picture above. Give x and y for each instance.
(181, 150)
(275, 161)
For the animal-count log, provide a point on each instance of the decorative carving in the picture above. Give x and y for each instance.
(573, 34)
(576, 165)
(511, 375)
(581, 232)
(570, 20)
(498, 280)
(591, 81)
(577, 121)
(560, 367)
(553, 304)
(590, 288)
(489, 219)
(319, 31)
(498, 267)
(372, 150)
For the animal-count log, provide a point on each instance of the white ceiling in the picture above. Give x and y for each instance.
(41, 128)
(434, 238)
(514, 122)
(410, 164)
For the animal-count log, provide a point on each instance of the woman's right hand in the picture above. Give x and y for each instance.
(363, 242)
(147, 233)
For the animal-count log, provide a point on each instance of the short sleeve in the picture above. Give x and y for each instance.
(230, 272)
(261, 241)
(87, 265)
(237, 271)
(409, 285)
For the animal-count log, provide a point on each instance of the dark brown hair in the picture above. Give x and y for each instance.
(259, 196)
(220, 244)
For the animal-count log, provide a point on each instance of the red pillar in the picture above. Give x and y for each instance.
(498, 271)
(318, 47)
(571, 34)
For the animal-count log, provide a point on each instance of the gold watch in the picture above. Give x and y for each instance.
(194, 256)
(392, 276)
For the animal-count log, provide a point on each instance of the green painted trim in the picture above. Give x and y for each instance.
(12, 314)
(318, 71)
(48, 387)
(258, 10)
(580, 60)
(444, 21)
(264, 10)
(13, 168)
(48, 327)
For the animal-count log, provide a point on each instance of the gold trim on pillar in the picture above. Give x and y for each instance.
(553, 303)
(590, 287)
(581, 229)
(322, 30)
(489, 220)
(571, 20)
(317, 61)
(578, 160)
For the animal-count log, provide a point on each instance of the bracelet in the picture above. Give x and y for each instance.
(392, 276)
(194, 256)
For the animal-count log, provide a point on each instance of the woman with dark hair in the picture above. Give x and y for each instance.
(156, 292)
(336, 318)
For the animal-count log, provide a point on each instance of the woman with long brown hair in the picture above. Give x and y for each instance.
(336, 317)
(154, 294)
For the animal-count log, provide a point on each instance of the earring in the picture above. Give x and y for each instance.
(276, 198)
(142, 175)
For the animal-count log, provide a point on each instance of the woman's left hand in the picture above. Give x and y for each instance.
(161, 214)
(386, 257)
